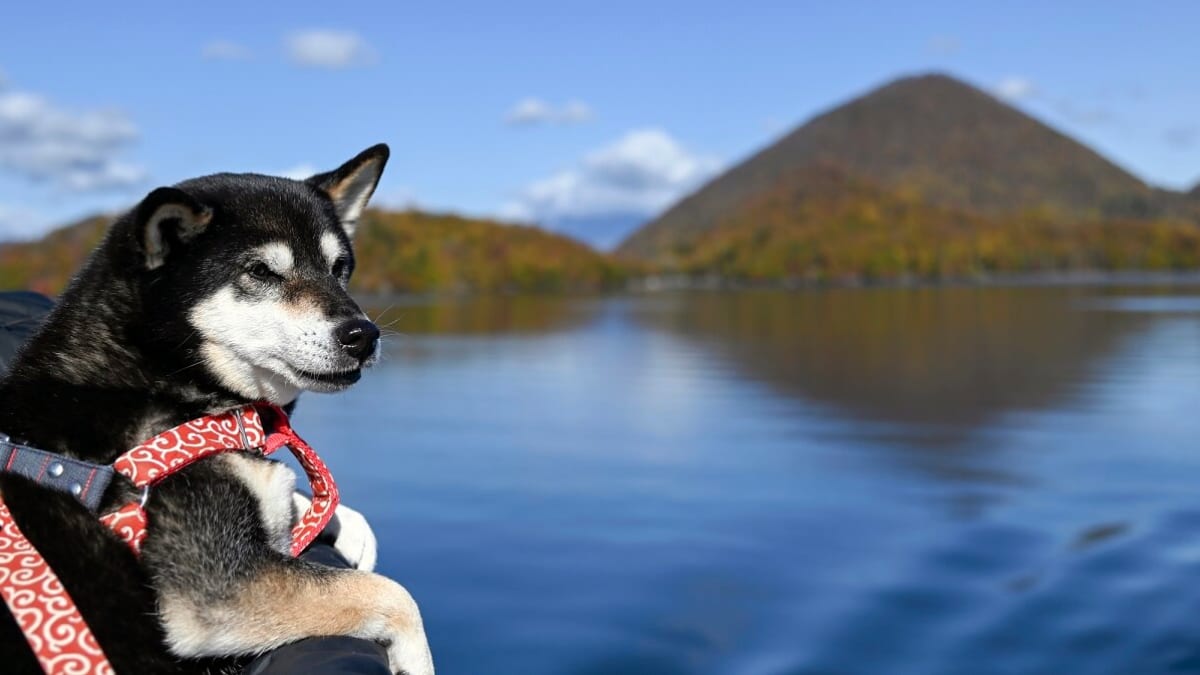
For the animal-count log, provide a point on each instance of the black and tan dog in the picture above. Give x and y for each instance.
(220, 291)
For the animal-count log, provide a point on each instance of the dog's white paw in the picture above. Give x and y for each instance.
(395, 622)
(355, 540)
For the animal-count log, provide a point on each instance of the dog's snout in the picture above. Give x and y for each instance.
(358, 337)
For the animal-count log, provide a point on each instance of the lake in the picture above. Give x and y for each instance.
(958, 480)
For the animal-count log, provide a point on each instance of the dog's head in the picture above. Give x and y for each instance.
(245, 276)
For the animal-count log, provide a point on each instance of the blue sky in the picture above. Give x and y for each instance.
(537, 110)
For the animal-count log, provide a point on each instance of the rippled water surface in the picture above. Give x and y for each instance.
(859, 481)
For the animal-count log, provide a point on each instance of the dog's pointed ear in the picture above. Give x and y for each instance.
(352, 184)
(167, 218)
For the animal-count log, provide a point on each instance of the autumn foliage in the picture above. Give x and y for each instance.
(47, 264)
(826, 226)
(402, 252)
(418, 252)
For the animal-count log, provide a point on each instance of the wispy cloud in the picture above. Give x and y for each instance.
(299, 171)
(72, 150)
(641, 173)
(225, 50)
(329, 49)
(1014, 88)
(535, 111)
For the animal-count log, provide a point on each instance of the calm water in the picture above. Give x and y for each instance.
(891, 481)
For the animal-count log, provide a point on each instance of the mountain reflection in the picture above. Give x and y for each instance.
(950, 356)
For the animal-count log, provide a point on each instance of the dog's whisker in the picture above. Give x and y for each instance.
(184, 340)
(379, 317)
(187, 367)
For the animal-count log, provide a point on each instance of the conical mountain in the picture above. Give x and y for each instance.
(932, 138)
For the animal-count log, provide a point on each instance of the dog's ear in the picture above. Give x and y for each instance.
(352, 184)
(167, 218)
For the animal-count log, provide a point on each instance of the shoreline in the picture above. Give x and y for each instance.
(657, 284)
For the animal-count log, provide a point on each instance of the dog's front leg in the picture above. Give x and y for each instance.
(225, 587)
(289, 600)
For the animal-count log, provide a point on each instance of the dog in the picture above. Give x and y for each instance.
(212, 294)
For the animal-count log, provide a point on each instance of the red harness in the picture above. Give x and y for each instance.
(45, 612)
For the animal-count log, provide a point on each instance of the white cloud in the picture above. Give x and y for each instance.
(529, 111)
(641, 173)
(329, 49)
(574, 112)
(72, 150)
(533, 111)
(300, 171)
(225, 50)
(1014, 88)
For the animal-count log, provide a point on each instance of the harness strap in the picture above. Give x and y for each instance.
(53, 627)
(324, 490)
(153, 460)
(52, 624)
(85, 480)
(242, 429)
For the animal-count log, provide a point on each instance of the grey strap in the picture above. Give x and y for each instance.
(85, 480)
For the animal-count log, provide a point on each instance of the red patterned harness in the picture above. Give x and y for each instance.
(41, 606)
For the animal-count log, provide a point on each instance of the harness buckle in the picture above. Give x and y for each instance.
(241, 425)
(145, 496)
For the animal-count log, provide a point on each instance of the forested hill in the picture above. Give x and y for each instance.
(933, 141)
(398, 252)
(925, 178)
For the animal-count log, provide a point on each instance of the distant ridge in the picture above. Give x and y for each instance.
(931, 138)
(399, 252)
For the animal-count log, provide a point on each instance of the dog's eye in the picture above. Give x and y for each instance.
(339, 268)
(260, 271)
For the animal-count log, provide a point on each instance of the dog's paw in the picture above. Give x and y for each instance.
(349, 532)
(356, 540)
(394, 621)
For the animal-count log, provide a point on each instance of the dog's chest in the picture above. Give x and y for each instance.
(272, 485)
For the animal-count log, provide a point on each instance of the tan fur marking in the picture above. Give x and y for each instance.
(287, 604)
(339, 191)
(303, 306)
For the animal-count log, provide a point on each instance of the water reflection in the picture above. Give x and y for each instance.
(752, 483)
(953, 357)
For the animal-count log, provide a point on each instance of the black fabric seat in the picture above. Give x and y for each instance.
(21, 313)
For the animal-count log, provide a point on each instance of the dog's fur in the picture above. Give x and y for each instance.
(214, 293)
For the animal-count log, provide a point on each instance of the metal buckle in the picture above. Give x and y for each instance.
(242, 431)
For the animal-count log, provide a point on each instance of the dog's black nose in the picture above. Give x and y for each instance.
(358, 337)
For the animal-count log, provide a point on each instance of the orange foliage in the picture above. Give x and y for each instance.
(406, 252)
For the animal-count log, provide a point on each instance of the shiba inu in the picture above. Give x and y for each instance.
(209, 295)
